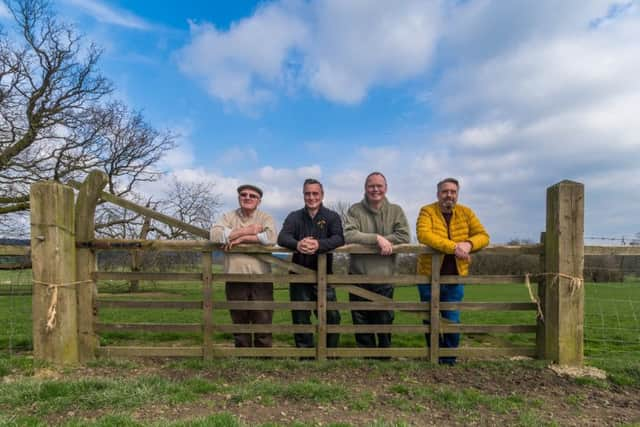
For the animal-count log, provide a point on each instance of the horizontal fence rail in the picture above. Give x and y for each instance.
(213, 347)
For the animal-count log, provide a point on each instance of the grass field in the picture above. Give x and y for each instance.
(340, 393)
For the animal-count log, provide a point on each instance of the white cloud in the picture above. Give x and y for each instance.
(337, 49)
(111, 15)
(359, 44)
(241, 65)
(273, 175)
(486, 136)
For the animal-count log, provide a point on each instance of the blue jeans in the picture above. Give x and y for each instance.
(448, 293)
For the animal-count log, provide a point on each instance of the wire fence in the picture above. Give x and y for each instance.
(15, 311)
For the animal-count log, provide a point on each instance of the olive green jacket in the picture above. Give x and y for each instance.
(363, 224)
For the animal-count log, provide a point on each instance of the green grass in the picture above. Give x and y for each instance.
(44, 397)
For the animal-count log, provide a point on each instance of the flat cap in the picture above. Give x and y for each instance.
(250, 187)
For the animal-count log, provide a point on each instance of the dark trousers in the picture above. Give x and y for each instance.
(367, 317)
(237, 291)
(448, 293)
(307, 292)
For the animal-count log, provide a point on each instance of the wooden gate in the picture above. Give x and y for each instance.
(71, 275)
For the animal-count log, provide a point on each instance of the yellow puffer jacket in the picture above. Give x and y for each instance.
(432, 231)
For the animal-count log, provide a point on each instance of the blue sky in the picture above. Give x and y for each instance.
(509, 96)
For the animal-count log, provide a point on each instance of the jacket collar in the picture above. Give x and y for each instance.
(368, 207)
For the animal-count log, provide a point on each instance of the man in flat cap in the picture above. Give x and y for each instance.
(247, 224)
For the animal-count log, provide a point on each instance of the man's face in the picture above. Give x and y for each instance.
(375, 188)
(248, 199)
(447, 196)
(313, 196)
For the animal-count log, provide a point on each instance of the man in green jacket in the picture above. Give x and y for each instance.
(375, 221)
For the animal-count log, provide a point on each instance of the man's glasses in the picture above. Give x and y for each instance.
(249, 196)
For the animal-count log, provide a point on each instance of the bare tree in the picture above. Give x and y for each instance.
(191, 202)
(53, 122)
(341, 208)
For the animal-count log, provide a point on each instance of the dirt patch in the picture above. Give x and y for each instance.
(363, 393)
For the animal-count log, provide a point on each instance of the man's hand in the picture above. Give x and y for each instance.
(308, 246)
(386, 248)
(462, 250)
(233, 242)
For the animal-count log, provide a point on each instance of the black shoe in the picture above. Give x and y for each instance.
(447, 361)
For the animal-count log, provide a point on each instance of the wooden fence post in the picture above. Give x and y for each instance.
(207, 306)
(87, 291)
(564, 284)
(321, 342)
(53, 254)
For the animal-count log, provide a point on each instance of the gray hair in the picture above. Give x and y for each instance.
(451, 180)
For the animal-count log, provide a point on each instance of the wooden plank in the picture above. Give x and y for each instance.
(252, 328)
(487, 329)
(375, 306)
(343, 352)
(301, 305)
(564, 259)
(263, 305)
(207, 306)
(489, 352)
(287, 265)
(411, 352)
(488, 306)
(406, 352)
(53, 253)
(321, 341)
(398, 329)
(148, 327)
(15, 250)
(152, 245)
(412, 279)
(363, 293)
(612, 250)
(261, 278)
(165, 219)
(118, 351)
(86, 263)
(107, 303)
(483, 279)
(351, 279)
(202, 245)
(354, 248)
(264, 352)
(157, 277)
(434, 308)
(15, 266)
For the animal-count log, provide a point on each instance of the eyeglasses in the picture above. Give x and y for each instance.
(249, 196)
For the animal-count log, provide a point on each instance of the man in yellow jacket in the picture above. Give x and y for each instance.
(456, 231)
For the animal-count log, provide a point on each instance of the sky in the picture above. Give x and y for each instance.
(510, 97)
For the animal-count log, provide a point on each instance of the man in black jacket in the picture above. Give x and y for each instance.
(309, 231)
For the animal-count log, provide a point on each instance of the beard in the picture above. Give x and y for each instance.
(448, 204)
